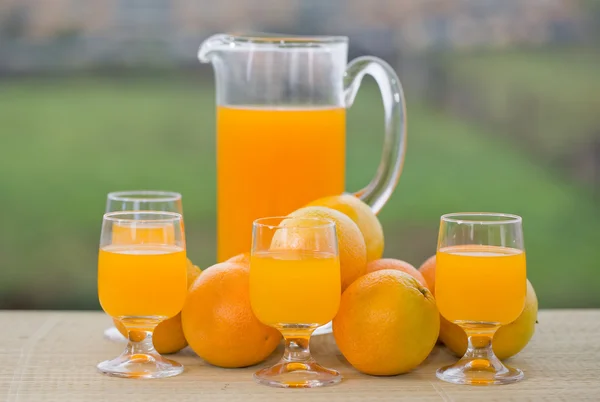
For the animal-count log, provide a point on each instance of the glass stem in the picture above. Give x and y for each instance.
(297, 348)
(139, 334)
(480, 342)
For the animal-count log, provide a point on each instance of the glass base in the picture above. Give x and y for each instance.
(140, 365)
(306, 374)
(479, 372)
(113, 335)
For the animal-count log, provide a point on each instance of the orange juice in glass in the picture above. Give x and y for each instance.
(469, 275)
(295, 287)
(287, 276)
(480, 284)
(281, 127)
(139, 200)
(142, 283)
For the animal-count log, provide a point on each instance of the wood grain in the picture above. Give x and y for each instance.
(51, 356)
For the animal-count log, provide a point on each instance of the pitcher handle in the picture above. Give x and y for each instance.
(380, 189)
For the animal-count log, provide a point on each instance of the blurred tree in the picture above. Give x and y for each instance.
(313, 16)
(14, 24)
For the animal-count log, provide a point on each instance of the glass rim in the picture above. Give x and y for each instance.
(166, 216)
(324, 223)
(138, 195)
(283, 40)
(470, 218)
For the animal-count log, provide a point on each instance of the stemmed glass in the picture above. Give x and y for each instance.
(142, 280)
(480, 284)
(295, 287)
(144, 200)
(140, 200)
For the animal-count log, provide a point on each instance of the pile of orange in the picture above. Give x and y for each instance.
(218, 321)
(387, 323)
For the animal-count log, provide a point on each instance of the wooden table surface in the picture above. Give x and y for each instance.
(51, 356)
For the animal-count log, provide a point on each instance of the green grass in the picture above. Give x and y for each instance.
(556, 90)
(70, 141)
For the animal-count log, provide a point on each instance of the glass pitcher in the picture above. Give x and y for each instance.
(281, 127)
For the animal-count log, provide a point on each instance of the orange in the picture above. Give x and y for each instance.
(363, 216)
(193, 272)
(351, 244)
(218, 321)
(387, 323)
(168, 336)
(391, 263)
(509, 340)
(299, 234)
(427, 269)
(243, 259)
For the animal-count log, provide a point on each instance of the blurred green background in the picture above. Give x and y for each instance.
(99, 96)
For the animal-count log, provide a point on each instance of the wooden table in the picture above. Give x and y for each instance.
(51, 356)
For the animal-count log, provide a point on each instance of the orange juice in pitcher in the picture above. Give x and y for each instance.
(260, 152)
(281, 127)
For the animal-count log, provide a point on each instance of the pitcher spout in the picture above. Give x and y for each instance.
(210, 46)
